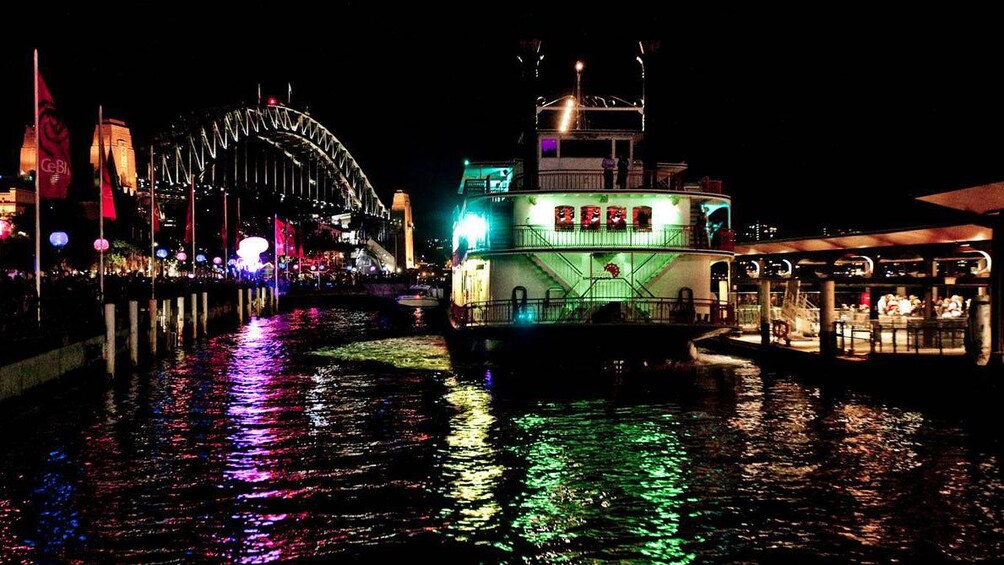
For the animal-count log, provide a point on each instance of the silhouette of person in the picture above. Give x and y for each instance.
(701, 229)
(608, 172)
(622, 172)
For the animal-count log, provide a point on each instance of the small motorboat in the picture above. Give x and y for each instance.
(418, 297)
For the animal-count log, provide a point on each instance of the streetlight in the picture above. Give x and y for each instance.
(579, 65)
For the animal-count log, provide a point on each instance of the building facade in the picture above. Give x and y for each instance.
(404, 230)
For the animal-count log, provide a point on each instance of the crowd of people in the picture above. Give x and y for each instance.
(910, 305)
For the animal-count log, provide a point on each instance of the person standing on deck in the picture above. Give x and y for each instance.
(608, 172)
(622, 172)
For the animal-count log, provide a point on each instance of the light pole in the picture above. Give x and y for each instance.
(579, 65)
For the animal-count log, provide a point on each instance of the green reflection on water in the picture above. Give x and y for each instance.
(599, 479)
(426, 353)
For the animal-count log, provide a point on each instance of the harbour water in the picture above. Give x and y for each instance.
(344, 434)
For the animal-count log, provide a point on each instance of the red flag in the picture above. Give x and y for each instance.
(189, 214)
(107, 195)
(156, 217)
(280, 237)
(53, 159)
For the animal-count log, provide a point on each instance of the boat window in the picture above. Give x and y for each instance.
(548, 147)
(642, 218)
(616, 218)
(590, 217)
(564, 218)
(598, 148)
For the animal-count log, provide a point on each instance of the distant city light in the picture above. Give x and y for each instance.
(57, 238)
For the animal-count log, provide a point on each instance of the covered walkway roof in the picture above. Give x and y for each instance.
(916, 236)
(980, 199)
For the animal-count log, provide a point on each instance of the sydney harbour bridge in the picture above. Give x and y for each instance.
(250, 164)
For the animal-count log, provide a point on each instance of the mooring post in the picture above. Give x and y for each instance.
(765, 312)
(195, 316)
(152, 337)
(240, 305)
(134, 332)
(827, 303)
(204, 313)
(110, 339)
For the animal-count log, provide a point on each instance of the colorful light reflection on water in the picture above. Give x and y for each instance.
(251, 449)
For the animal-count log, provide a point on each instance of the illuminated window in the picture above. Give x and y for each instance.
(564, 218)
(616, 218)
(548, 147)
(642, 218)
(590, 217)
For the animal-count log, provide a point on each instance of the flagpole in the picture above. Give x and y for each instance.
(193, 221)
(38, 208)
(101, 201)
(275, 247)
(226, 237)
(153, 250)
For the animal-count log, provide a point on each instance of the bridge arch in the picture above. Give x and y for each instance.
(189, 150)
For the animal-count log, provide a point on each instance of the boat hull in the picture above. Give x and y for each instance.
(578, 346)
(410, 302)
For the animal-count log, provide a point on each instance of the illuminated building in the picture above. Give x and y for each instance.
(28, 151)
(119, 139)
(404, 230)
(13, 199)
(758, 231)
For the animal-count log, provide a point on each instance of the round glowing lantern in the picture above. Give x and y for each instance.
(58, 239)
(162, 253)
(181, 256)
(6, 229)
(101, 245)
(217, 261)
(200, 258)
(252, 247)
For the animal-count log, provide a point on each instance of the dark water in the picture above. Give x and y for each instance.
(253, 449)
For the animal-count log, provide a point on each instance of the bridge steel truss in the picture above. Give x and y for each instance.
(296, 134)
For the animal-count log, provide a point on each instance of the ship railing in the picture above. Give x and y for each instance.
(593, 180)
(574, 311)
(624, 235)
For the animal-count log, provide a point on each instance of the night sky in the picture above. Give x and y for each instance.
(838, 119)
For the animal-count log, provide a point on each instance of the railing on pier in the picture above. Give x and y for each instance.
(582, 311)
(72, 308)
(907, 335)
(917, 334)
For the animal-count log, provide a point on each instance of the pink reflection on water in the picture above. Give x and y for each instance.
(257, 398)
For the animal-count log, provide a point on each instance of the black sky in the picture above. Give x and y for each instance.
(834, 117)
